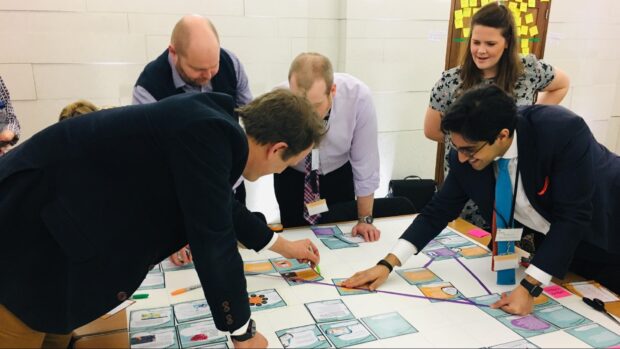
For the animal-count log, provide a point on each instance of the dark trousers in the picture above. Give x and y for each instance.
(335, 187)
(594, 263)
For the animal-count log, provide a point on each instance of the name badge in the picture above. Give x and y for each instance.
(317, 207)
(504, 262)
(315, 159)
(513, 234)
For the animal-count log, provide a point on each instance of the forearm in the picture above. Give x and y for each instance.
(364, 205)
(552, 97)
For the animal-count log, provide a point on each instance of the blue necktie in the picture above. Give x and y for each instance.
(503, 210)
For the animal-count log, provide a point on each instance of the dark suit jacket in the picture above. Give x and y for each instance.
(581, 201)
(88, 205)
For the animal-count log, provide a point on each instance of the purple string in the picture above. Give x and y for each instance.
(474, 275)
(464, 301)
(429, 262)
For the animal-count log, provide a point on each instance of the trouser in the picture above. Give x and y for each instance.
(335, 187)
(16, 334)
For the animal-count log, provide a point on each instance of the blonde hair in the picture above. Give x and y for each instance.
(79, 107)
(310, 66)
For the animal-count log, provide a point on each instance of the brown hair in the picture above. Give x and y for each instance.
(509, 67)
(281, 116)
(79, 107)
(310, 66)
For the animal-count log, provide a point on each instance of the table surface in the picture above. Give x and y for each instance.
(439, 324)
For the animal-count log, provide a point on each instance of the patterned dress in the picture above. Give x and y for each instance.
(536, 76)
(9, 120)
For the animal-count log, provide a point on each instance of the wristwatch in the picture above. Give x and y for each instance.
(366, 219)
(249, 334)
(534, 290)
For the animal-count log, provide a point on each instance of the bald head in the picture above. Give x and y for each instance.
(309, 67)
(195, 49)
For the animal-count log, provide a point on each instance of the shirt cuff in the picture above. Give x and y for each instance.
(538, 274)
(403, 250)
(273, 240)
(241, 330)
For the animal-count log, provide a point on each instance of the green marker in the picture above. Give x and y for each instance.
(318, 270)
(140, 296)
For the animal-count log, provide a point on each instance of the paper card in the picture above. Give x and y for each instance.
(317, 207)
(265, 299)
(329, 310)
(418, 276)
(472, 251)
(298, 277)
(118, 308)
(479, 233)
(595, 335)
(167, 265)
(533, 30)
(543, 301)
(258, 267)
(504, 262)
(388, 325)
(329, 231)
(521, 343)
(349, 238)
(336, 244)
(200, 332)
(561, 317)
(488, 300)
(315, 159)
(193, 310)
(283, 265)
(151, 318)
(221, 345)
(529, 18)
(591, 289)
(453, 241)
(440, 290)
(302, 337)
(440, 253)
(433, 244)
(556, 291)
(527, 326)
(513, 234)
(349, 291)
(160, 338)
(153, 281)
(347, 333)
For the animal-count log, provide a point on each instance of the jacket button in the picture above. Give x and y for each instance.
(225, 304)
(229, 319)
(121, 296)
(226, 309)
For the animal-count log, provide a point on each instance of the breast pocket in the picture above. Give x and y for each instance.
(66, 232)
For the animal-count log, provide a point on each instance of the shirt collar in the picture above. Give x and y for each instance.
(176, 78)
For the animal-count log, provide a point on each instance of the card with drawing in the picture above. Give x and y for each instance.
(440, 290)
(329, 231)
(561, 316)
(527, 326)
(158, 338)
(349, 291)
(265, 299)
(192, 310)
(472, 251)
(283, 265)
(336, 244)
(153, 280)
(488, 300)
(151, 318)
(200, 332)
(167, 265)
(258, 267)
(451, 241)
(520, 344)
(418, 276)
(329, 310)
(308, 336)
(347, 333)
(440, 253)
(595, 335)
(388, 325)
(297, 277)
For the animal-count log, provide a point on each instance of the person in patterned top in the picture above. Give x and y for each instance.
(493, 59)
(9, 126)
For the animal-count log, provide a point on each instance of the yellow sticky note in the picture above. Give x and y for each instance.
(523, 7)
(467, 12)
(464, 3)
(529, 18)
(473, 12)
(531, 3)
(458, 14)
(458, 23)
(518, 21)
(534, 31)
(544, 0)
(484, 2)
(518, 31)
(525, 43)
(513, 6)
(466, 32)
(524, 30)
(525, 50)
(473, 3)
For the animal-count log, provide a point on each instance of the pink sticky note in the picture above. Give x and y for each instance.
(479, 233)
(556, 291)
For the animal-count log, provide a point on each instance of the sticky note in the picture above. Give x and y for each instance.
(473, 3)
(458, 23)
(467, 12)
(525, 43)
(513, 6)
(544, 0)
(525, 51)
(531, 3)
(533, 30)
(556, 291)
(458, 14)
(479, 233)
(518, 21)
(464, 3)
(524, 30)
(523, 7)
(529, 18)
(466, 32)
(484, 2)
(518, 31)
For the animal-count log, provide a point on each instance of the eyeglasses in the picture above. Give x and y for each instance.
(468, 151)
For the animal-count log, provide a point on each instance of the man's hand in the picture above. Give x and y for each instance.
(258, 341)
(182, 257)
(367, 231)
(302, 250)
(370, 278)
(519, 302)
(6, 136)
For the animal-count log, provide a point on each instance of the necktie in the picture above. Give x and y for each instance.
(503, 211)
(311, 189)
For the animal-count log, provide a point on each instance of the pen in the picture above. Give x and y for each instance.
(140, 296)
(598, 304)
(185, 289)
(318, 270)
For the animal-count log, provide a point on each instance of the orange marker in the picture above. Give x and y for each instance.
(185, 289)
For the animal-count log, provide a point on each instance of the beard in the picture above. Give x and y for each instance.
(192, 82)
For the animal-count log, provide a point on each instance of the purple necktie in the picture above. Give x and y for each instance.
(311, 189)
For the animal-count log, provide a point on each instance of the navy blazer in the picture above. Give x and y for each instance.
(89, 205)
(568, 177)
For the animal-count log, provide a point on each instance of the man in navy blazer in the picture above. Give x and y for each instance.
(568, 191)
(89, 205)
